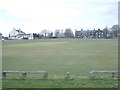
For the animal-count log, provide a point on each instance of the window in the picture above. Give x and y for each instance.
(102, 34)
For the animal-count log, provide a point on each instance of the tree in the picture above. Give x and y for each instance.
(115, 30)
(45, 33)
(106, 32)
(57, 32)
(119, 31)
(68, 33)
(36, 36)
(50, 34)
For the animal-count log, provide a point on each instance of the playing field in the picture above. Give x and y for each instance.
(58, 56)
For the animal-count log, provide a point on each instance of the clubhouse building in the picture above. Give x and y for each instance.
(17, 34)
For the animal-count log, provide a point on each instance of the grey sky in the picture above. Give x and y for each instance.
(35, 15)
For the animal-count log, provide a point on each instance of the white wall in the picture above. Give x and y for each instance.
(13, 33)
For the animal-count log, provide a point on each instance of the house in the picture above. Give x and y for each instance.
(14, 33)
(99, 34)
(89, 33)
(80, 34)
(24, 36)
(17, 34)
(0, 36)
(85, 34)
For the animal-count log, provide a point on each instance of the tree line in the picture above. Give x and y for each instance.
(68, 33)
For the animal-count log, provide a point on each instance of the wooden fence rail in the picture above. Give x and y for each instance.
(24, 73)
(114, 73)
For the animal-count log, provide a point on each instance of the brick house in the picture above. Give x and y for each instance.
(99, 34)
(80, 34)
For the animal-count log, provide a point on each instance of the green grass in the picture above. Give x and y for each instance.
(57, 56)
(82, 83)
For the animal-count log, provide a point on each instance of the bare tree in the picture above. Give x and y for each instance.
(45, 33)
(68, 33)
(57, 32)
(115, 30)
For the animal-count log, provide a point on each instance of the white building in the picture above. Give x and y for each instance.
(18, 35)
(24, 36)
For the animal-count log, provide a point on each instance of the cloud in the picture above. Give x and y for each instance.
(35, 15)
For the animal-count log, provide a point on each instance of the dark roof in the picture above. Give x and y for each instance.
(24, 34)
(20, 31)
(98, 31)
(78, 31)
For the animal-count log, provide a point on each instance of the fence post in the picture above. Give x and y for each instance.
(4, 74)
(24, 75)
(68, 75)
(92, 75)
(113, 75)
(45, 74)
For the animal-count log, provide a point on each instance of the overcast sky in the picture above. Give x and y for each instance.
(32, 16)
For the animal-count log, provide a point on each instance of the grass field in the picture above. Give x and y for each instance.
(58, 56)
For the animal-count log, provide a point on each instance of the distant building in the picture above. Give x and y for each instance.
(17, 34)
(99, 34)
(80, 34)
(14, 33)
(83, 34)
(90, 33)
(24, 36)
